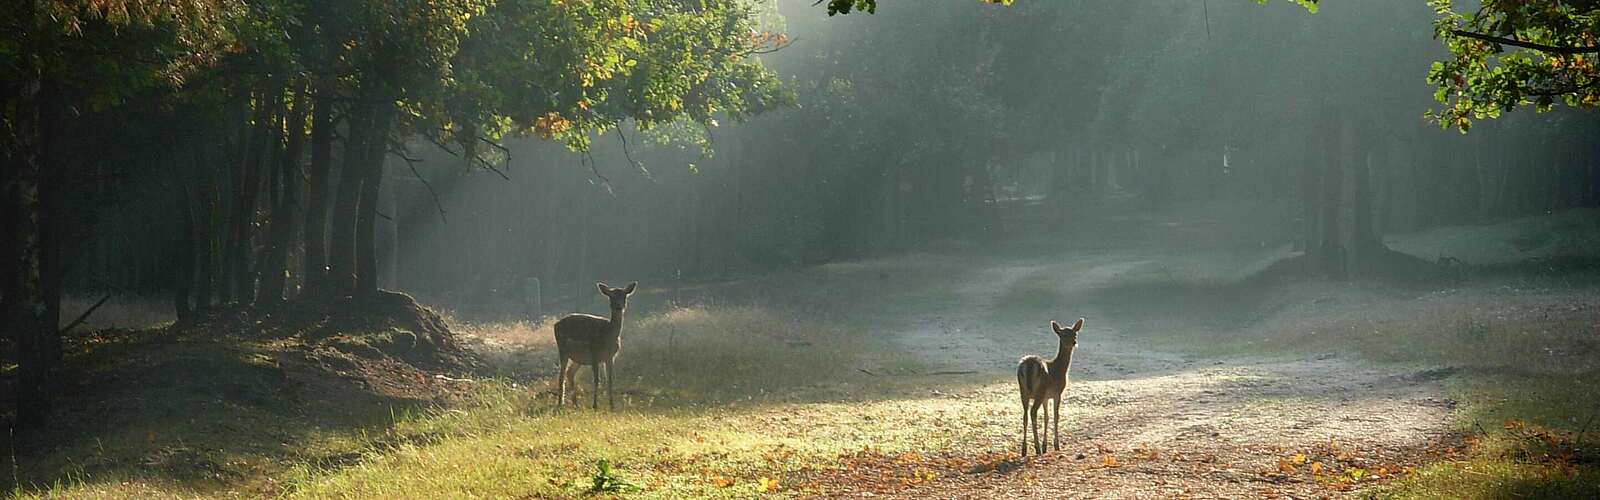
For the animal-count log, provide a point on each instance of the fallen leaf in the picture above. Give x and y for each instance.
(768, 485)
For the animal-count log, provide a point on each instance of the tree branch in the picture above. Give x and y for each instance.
(629, 155)
(85, 315)
(1552, 49)
(412, 163)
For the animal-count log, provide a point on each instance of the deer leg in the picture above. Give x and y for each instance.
(572, 380)
(1024, 426)
(596, 394)
(1033, 411)
(561, 382)
(1056, 424)
(611, 381)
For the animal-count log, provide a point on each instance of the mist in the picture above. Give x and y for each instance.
(750, 247)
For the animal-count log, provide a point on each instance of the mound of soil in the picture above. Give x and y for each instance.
(212, 401)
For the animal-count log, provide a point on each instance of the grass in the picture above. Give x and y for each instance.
(510, 444)
(1531, 436)
(728, 389)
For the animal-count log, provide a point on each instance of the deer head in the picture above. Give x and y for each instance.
(1067, 334)
(619, 296)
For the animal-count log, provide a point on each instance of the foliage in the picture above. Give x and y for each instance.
(606, 480)
(1554, 46)
(871, 6)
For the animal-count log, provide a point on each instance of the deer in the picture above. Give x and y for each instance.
(586, 339)
(1041, 380)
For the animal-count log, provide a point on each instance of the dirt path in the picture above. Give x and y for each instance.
(1143, 423)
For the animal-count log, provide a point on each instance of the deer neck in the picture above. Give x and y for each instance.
(616, 323)
(1063, 359)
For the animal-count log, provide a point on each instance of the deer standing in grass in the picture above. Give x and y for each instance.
(1042, 380)
(586, 339)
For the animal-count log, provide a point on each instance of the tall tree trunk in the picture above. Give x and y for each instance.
(1310, 203)
(389, 238)
(366, 220)
(1331, 253)
(274, 271)
(242, 224)
(342, 230)
(208, 223)
(183, 255)
(316, 225)
(22, 298)
(1366, 247)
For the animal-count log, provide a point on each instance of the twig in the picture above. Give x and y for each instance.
(588, 159)
(434, 195)
(629, 155)
(1582, 431)
(866, 371)
(85, 315)
(503, 150)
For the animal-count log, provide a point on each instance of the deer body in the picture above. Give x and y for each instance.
(1040, 380)
(586, 339)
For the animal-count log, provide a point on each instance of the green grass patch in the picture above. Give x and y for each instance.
(1529, 436)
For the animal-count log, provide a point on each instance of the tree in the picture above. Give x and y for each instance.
(1553, 58)
(88, 53)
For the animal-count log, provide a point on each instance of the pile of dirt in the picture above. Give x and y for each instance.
(210, 401)
(381, 326)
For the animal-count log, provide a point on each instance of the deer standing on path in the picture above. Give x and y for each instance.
(586, 339)
(1040, 380)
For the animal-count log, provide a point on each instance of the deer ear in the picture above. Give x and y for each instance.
(630, 288)
(602, 286)
(1077, 325)
(1056, 326)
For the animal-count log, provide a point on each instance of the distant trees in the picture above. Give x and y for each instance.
(256, 132)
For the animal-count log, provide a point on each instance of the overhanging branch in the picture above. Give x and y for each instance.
(1552, 49)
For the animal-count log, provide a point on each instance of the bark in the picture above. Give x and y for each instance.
(1330, 252)
(342, 230)
(371, 182)
(1366, 249)
(316, 224)
(389, 239)
(241, 225)
(22, 300)
(183, 255)
(208, 223)
(274, 271)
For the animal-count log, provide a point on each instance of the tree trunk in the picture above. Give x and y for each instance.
(366, 220)
(206, 249)
(1366, 247)
(1331, 251)
(389, 238)
(316, 224)
(342, 232)
(183, 255)
(274, 271)
(22, 295)
(242, 225)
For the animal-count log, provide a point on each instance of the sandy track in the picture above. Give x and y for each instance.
(1176, 426)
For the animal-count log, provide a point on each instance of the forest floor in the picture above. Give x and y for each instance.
(1194, 377)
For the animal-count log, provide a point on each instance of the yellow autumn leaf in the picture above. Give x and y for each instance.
(768, 485)
(721, 481)
(1316, 468)
(1299, 458)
